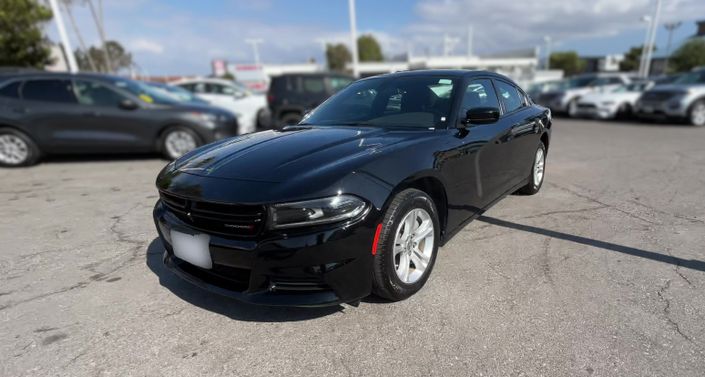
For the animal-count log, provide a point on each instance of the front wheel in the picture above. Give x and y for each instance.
(407, 246)
(538, 170)
(697, 114)
(177, 141)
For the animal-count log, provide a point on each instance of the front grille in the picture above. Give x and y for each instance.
(547, 97)
(236, 220)
(657, 95)
(230, 278)
(586, 106)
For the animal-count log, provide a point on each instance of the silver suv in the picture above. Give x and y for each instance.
(683, 99)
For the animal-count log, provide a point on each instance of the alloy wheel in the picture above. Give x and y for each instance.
(539, 163)
(178, 143)
(697, 115)
(13, 150)
(413, 245)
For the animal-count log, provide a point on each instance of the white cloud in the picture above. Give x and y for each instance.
(146, 45)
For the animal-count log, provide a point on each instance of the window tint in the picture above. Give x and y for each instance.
(423, 101)
(479, 93)
(313, 85)
(92, 93)
(509, 95)
(219, 89)
(48, 90)
(11, 90)
(337, 83)
(190, 87)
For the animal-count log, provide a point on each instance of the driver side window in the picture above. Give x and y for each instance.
(479, 93)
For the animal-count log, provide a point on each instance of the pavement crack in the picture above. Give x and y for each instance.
(667, 311)
(566, 211)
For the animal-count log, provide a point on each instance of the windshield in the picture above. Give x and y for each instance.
(578, 82)
(697, 77)
(633, 87)
(145, 92)
(178, 93)
(411, 101)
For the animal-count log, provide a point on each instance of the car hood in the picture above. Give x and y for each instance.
(295, 153)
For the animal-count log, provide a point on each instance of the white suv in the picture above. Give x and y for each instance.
(250, 108)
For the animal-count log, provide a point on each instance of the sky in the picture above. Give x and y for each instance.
(181, 37)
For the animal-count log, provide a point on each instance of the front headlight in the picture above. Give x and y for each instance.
(315, 212)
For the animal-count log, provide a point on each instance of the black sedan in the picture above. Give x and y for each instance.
(357, 197)
(50, 113)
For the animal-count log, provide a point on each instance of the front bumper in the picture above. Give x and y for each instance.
(661, 109)
(321, 267)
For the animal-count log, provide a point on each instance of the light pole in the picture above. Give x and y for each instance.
(68, 51)
(547, 39)
(255, 48)
(652, 39)
(670, 26)
(642, 56)
(353, 37)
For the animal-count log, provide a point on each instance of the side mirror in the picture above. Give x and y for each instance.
(481, 115)
(127, 104)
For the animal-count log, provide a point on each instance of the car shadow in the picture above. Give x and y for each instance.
(226, 306)
(692, 264)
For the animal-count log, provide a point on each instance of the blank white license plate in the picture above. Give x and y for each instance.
(192, 248)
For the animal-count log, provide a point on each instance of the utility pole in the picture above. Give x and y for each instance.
(67, 7)
(547, 40)
(353, 37)
(68, 51)
(255, 48)
(470, 38)
(101, 32)
(670, 26)
(652, 39)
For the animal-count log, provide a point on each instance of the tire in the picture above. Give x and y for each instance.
(17, 149)
(177, 141)
(535, 182)
(573, 108)
(263, 120)
(624, 112)
(290, 119)
(387, 267)
(696, 113)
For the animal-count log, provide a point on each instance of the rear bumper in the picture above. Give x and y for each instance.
(317, 268)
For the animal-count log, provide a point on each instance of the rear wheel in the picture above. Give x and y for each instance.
(17, 149)
(177, 141)
(573, 108)
(697, 114)
(538, 170)
(624, 111)
(407, 246)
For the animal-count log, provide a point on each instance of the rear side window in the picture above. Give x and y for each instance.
(510, 96)
(313, 85)
(95, 94)
(59, 91)
(11, 90)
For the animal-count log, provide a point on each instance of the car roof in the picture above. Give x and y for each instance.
(455, 73)
(202, 79)
(60, 75)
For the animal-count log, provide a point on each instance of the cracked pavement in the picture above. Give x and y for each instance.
(601, 274)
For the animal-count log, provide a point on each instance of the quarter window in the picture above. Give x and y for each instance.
(59, 91)
(313, 85)
(95, 94)
(510, 96)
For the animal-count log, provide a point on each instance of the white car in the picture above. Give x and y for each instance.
(250, 108)
(616, 103)
(564, 99)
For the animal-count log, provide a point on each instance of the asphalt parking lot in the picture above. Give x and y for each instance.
(600, 274)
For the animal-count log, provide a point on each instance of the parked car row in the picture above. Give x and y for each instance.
(615, 95)
(44, 113)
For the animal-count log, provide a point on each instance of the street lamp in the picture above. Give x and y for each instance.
(353, 37)
(642, 57)
(670, 26)
(255, 48)
(547, 40)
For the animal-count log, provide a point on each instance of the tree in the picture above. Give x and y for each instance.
(22, 42)
(227, 76)
(119, 57)
(337, 55)
(369, 49)
(688, 56)
(632, 59)
(568, 61)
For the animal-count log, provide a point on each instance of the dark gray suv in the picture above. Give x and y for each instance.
(51, 113)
